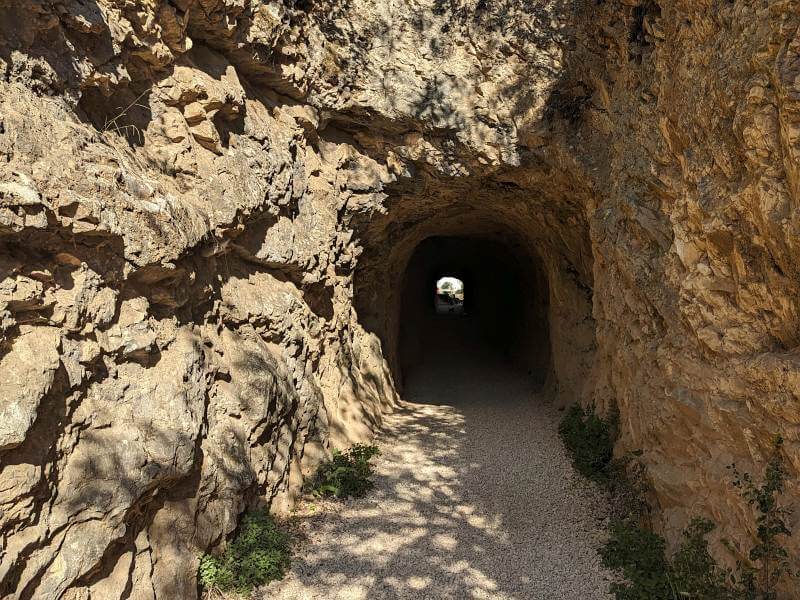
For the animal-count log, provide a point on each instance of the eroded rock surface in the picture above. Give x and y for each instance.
(207, 206)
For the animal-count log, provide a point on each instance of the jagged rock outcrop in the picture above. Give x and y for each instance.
(206, 208)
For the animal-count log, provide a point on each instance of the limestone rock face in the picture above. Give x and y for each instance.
(28, 371)
(207, 207)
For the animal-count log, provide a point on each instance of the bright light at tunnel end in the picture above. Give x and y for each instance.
(449, 284)
(449, 297)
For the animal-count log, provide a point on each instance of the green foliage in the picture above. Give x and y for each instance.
(258, 554)
(346, 474)
(638, 554)
(768, 560)
(694, 572)
(590, 440)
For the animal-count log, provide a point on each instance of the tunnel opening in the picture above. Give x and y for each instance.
(526, 263)
(448, 296)
(501, 316)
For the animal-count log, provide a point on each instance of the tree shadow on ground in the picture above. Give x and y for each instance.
(472, 487)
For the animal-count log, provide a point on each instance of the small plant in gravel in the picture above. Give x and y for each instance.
(639, 556)
(347, 474)
(589, 438)
(258, 553)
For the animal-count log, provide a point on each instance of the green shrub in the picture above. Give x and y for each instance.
(639, 555)
(768, 561)
(590, 440)
(695, 573)
(258, 554)
(347, 474)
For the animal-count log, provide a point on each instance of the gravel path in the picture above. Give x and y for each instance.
(474, 498)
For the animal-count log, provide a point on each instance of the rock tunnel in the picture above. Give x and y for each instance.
(527, 278)
(505, 306)
(233, 268)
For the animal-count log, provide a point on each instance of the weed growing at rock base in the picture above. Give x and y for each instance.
(639, 554)
(590, 440)
(347, 474)
(259, 553)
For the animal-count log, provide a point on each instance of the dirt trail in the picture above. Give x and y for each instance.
(475, 498)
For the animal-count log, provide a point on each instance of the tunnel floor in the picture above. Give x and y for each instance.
(475, 498)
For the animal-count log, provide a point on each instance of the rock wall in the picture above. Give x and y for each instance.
(207, 206)
(178, 337)
(696, 280)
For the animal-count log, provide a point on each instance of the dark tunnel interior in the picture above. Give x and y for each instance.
(505, 307)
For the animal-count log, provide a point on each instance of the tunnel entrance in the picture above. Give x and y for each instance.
(526, 265)
(494, 307)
